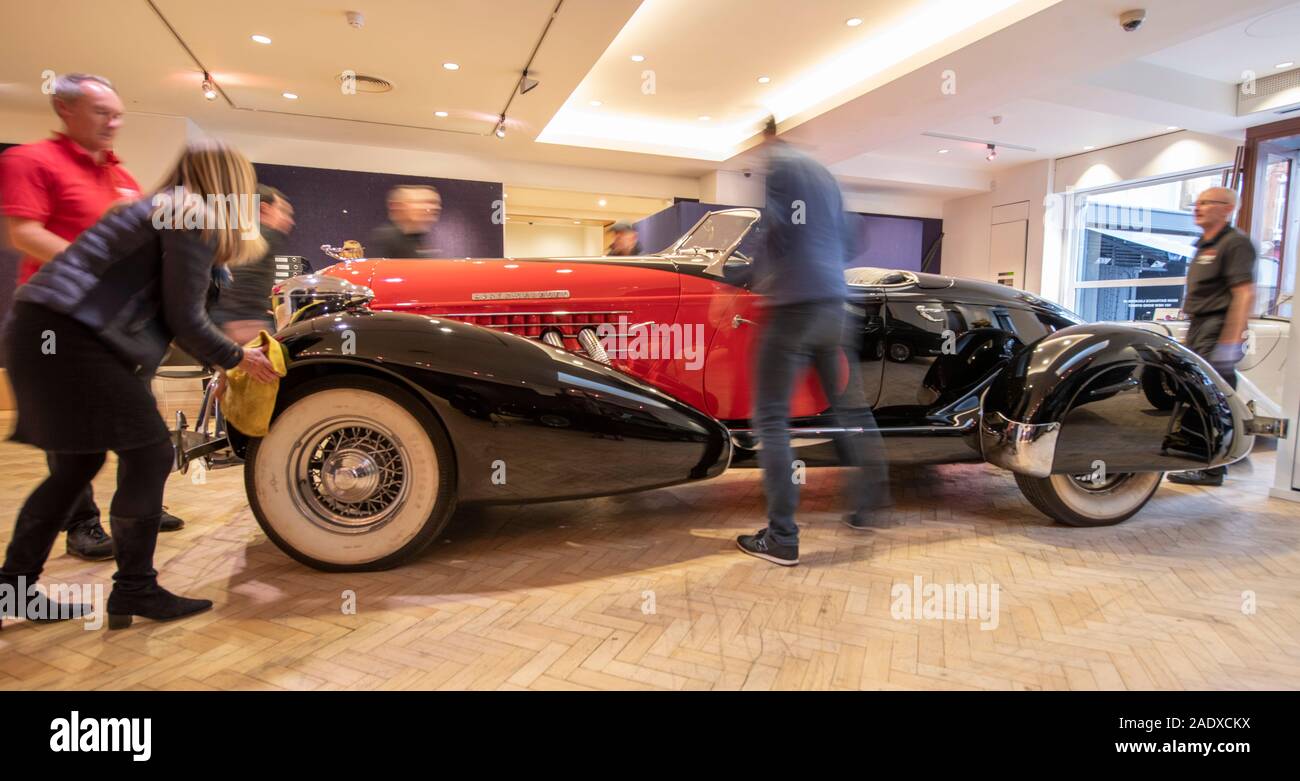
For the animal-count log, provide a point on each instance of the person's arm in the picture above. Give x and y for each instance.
(1234, 324)
(31, 238)
(186, 275)
(25, 200)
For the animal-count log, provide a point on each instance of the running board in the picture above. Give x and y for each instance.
(747, 438)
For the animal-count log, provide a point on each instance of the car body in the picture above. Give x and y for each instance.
(954, 370)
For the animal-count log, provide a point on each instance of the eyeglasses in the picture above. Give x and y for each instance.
(1207, 203)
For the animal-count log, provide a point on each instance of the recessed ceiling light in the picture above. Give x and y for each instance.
(1173, 127)
(451, 66)
(704, 118)
(1282, 65)
(1089, 148)
(943, 151)
(601, 202)
(764, 79)
(440, 113)
(596, 103)
(261, 39)
(638, 58)
(289, 95)
(854, 22)
(577, 222)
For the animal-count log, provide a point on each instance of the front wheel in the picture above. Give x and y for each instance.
(355, 474)
(1083, 500)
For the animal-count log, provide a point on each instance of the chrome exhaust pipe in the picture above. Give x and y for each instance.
(591, 343)
(553, 338)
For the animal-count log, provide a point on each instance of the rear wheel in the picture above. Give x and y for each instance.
(1079, 500)
(354, 474)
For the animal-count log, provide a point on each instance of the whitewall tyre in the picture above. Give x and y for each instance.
(354, 474)
(1076, 500)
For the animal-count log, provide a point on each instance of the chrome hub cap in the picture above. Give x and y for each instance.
(350, 475)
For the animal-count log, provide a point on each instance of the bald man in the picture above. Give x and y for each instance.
(412, 212)
(1220, 294)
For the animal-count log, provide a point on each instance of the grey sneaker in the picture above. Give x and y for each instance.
(758, 545)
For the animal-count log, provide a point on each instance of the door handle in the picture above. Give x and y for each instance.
(931, 313)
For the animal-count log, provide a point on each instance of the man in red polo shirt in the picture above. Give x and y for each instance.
(51, 191)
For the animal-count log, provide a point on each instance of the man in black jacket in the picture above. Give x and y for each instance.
(243, 306)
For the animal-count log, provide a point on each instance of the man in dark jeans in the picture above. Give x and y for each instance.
(801, 276)
(50, 192)
(1220, 294)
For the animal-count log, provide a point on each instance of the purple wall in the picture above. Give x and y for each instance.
(331, 206)
(880, 240)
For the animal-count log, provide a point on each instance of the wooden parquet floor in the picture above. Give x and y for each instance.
(647, 591)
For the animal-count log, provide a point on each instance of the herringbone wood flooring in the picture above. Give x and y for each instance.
(648, 591)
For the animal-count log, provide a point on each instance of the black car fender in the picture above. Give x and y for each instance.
(1080, 399)
(527, 422)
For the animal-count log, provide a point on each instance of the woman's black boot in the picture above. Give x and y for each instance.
(135, 585)
(24, 559)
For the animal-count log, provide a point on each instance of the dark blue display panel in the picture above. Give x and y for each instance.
(331, 206)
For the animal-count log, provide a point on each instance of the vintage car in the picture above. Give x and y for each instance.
(417, 385)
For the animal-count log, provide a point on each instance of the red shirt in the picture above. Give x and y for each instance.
(59, 184)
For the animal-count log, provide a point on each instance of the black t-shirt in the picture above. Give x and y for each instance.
(1220, 264)
(388, 241)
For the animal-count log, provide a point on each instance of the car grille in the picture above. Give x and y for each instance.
(534, 324)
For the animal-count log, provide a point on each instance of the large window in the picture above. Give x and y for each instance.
(1129, 247)
(1274, 223)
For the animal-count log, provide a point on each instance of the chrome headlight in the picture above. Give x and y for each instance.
(290, 297)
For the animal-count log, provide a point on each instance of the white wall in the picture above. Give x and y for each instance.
(148, 144)
(896, 204)
(535, 241)
(1166, 155)
(967, 222)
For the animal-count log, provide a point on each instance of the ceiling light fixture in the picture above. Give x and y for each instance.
(209, 88)
(289, 95)
(764, 79)
(501, 127)
(261, 39)
(1282, 65)
(853, 22)
(527, 84)
(451, 66)
(993, 153)
(943, 151)
(1089, 148)
(440, 113)
(1173, 127)
(638, 58)
(601, 202)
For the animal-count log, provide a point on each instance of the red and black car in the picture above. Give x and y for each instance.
(418, 385)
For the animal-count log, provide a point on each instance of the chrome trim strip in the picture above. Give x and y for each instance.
(1026, 448)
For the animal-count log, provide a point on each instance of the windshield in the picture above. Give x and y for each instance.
(718, 231)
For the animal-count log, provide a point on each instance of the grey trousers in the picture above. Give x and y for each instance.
(794, 337)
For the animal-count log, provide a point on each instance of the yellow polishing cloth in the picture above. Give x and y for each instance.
(248, 404)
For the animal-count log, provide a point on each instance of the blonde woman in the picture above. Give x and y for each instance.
(85, 336)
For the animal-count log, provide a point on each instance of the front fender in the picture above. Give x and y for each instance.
(527, 422)
(1081, 399)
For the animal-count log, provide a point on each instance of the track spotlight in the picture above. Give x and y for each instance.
(501, 127)
(528, 84)
(993, 153)
(209, 88)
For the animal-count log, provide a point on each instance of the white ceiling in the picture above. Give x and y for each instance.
(1060, 72)
(1256, 45)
